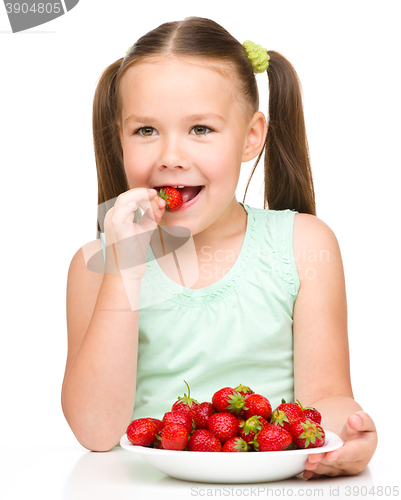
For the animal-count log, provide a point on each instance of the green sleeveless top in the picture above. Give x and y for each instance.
(236, 331)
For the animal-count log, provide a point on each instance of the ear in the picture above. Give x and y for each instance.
(255, 138)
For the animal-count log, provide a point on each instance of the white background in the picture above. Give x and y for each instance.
(346, 54)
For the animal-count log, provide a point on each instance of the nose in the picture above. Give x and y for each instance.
(172, 154)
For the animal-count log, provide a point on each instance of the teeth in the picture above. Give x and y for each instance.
(179, 186)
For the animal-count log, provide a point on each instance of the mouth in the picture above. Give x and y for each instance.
(188, 193)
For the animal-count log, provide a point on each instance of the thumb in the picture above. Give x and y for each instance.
(359, 421)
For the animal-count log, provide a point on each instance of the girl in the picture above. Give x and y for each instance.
(239, 299)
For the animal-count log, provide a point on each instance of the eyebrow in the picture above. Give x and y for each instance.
(192, 118)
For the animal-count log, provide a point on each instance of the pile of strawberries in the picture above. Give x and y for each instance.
(236, 420)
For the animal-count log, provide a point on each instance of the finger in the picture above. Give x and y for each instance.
(128, 202)
(357, 424)
(361, 421)
(355, 450)
(323, 470)
(316, 457)
(153, 212)
(346, 453)
(151, 217)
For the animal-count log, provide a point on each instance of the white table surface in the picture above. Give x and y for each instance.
(74, 473)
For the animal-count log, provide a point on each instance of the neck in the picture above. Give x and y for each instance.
(229, 225)
(216, 236)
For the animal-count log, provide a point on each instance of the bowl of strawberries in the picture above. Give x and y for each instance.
(235, 438)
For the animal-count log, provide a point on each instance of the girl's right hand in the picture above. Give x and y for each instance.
(131, 240)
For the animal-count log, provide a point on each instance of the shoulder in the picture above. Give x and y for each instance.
(314, 244)
(308, 227)
(86, 267)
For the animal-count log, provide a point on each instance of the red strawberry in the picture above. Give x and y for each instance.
(228, 400)
(223, 425)
(173, 198)
(272, 438)
(159, 423)
(203, 412)
(158, 443)
(186, 404)
(311, 413)
(286, 414)
(249, 428)
(203, 440)
(307, 434)
(178, 417)
(174, 437)
(142, 432)
(235, 444)
(244, 389)
(256, 404)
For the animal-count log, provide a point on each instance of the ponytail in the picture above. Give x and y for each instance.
(111, 177)
(288, 175)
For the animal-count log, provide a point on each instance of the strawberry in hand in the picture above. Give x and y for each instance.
(173, 198)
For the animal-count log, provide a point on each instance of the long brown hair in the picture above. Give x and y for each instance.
(287, 171)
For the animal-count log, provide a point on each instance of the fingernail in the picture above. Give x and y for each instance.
(331, 458)
(152, 191)
(358, 421)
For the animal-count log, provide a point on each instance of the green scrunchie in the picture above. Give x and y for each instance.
(257, 55)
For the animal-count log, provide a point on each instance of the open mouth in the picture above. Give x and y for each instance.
(188, 193)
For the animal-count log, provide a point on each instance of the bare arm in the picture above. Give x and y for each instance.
(98, 392)
(321, 355)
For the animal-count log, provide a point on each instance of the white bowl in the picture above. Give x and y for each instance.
(249, 467)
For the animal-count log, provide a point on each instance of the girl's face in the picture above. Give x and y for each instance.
(182, 125)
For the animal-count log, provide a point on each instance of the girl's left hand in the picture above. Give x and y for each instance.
(360, 441)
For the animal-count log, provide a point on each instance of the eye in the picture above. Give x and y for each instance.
(146, 131)
(201, 130)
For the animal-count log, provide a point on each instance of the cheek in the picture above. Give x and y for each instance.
(137, 164)
(226, 159)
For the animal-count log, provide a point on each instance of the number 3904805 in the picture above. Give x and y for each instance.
(40, 8)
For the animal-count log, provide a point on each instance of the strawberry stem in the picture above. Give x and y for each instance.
(189, 390)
